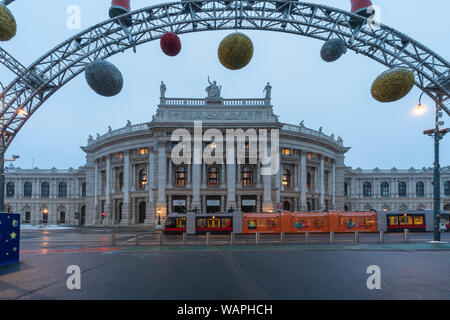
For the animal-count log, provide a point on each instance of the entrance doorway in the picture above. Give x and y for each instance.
(212, 204)
(248, 203)
(142, 207)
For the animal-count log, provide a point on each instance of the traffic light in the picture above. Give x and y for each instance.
(103, 214)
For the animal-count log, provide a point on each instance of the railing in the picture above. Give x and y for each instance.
(310, 132)
(124, 130)
(206, 101)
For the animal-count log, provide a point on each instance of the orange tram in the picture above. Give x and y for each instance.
(274, 222)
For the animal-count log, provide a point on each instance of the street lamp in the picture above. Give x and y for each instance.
(437, 134)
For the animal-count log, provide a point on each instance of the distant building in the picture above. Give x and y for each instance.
(129, 177)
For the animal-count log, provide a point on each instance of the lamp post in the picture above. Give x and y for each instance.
(437, 134)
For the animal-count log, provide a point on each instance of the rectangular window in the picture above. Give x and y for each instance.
(27, 216)
(62, 217)
(393, 221)
(418, 220)
(286, 152)
(143, 151)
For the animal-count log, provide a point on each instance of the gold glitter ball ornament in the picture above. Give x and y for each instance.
(235, 51)
(8, 25)
(392, 85)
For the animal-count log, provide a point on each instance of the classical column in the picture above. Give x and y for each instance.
(109, 217)
(196, 181)
(126, 188)
(333, 186)
(203, 174)
(267, 182)
(222, 203)
(222, 175)
(133, 177)
(258, 174)
(278, 185)
(231, 184)
(303, 175)
(150, 215)
(96, 218)
(189, 175)
(258, 203)
(170, 174)
(239, 203)
(322, 184)
(238, 176)
(162, 173)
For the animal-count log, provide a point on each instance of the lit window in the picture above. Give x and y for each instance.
(142, 178)
(180, 176)
(143, 151)
(286, 178)
(247, 176)
(119, 155)
(310, 155)
(213, 176)
(286, 151)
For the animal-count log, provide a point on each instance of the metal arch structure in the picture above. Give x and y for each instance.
(37, 83)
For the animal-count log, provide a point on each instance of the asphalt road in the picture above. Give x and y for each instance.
(316, 271)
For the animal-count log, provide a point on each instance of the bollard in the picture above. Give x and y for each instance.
(137, 238)
(256, 238)
(406, 236)
(356, 236)
(307, 237)
(381, 236)
(113, 239)
(208, 238)
(282, 238)
(160, 238)
(331, 237)
(184, 238)
(231, 238)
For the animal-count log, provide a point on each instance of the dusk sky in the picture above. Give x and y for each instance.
(335, 95)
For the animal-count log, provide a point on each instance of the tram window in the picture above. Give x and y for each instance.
(181, 222)
(418, 220)
(393, 221)
(213, 223)
(405, 220)
(251, 225)
(225, 222)
(371, 221)
(201, 223)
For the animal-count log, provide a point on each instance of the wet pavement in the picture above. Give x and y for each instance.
(318, 270)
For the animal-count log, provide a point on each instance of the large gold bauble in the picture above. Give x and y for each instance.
(8, 25)
(392, 85)
(235, 51)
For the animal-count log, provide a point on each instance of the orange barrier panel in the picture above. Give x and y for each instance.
(352, 221)
(261, 222)
(309, 222)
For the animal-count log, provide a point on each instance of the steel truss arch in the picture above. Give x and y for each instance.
(61, 64)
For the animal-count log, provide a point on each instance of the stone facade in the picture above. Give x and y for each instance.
(130, 178)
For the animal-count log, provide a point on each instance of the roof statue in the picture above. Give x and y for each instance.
(163, 89)
(268, 90)
(213, 90)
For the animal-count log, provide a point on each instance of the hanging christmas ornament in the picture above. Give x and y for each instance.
(333, 49)
(235, 51)
(8, 25)
(392, 85)
(104, 78)
(170, 44)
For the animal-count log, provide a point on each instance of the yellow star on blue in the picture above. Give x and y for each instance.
(13, 235)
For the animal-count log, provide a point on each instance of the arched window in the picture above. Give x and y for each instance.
(83, 189)
(385, 189)
(213, 176)
(27, 189)
(367, 189)
(45, 190)
(447, 188)
(10, 189)
(420, 189)
(286, 178)
(247, 176)
(180, 176)
(62, 190)
(142, 178)
(402, 189)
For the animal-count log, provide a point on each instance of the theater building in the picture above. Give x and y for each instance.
(131, 178)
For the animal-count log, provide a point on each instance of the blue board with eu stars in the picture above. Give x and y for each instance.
(9, 238)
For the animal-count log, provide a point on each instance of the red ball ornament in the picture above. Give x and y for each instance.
(170, 44)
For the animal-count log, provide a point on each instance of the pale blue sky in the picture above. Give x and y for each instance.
(335, 96)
